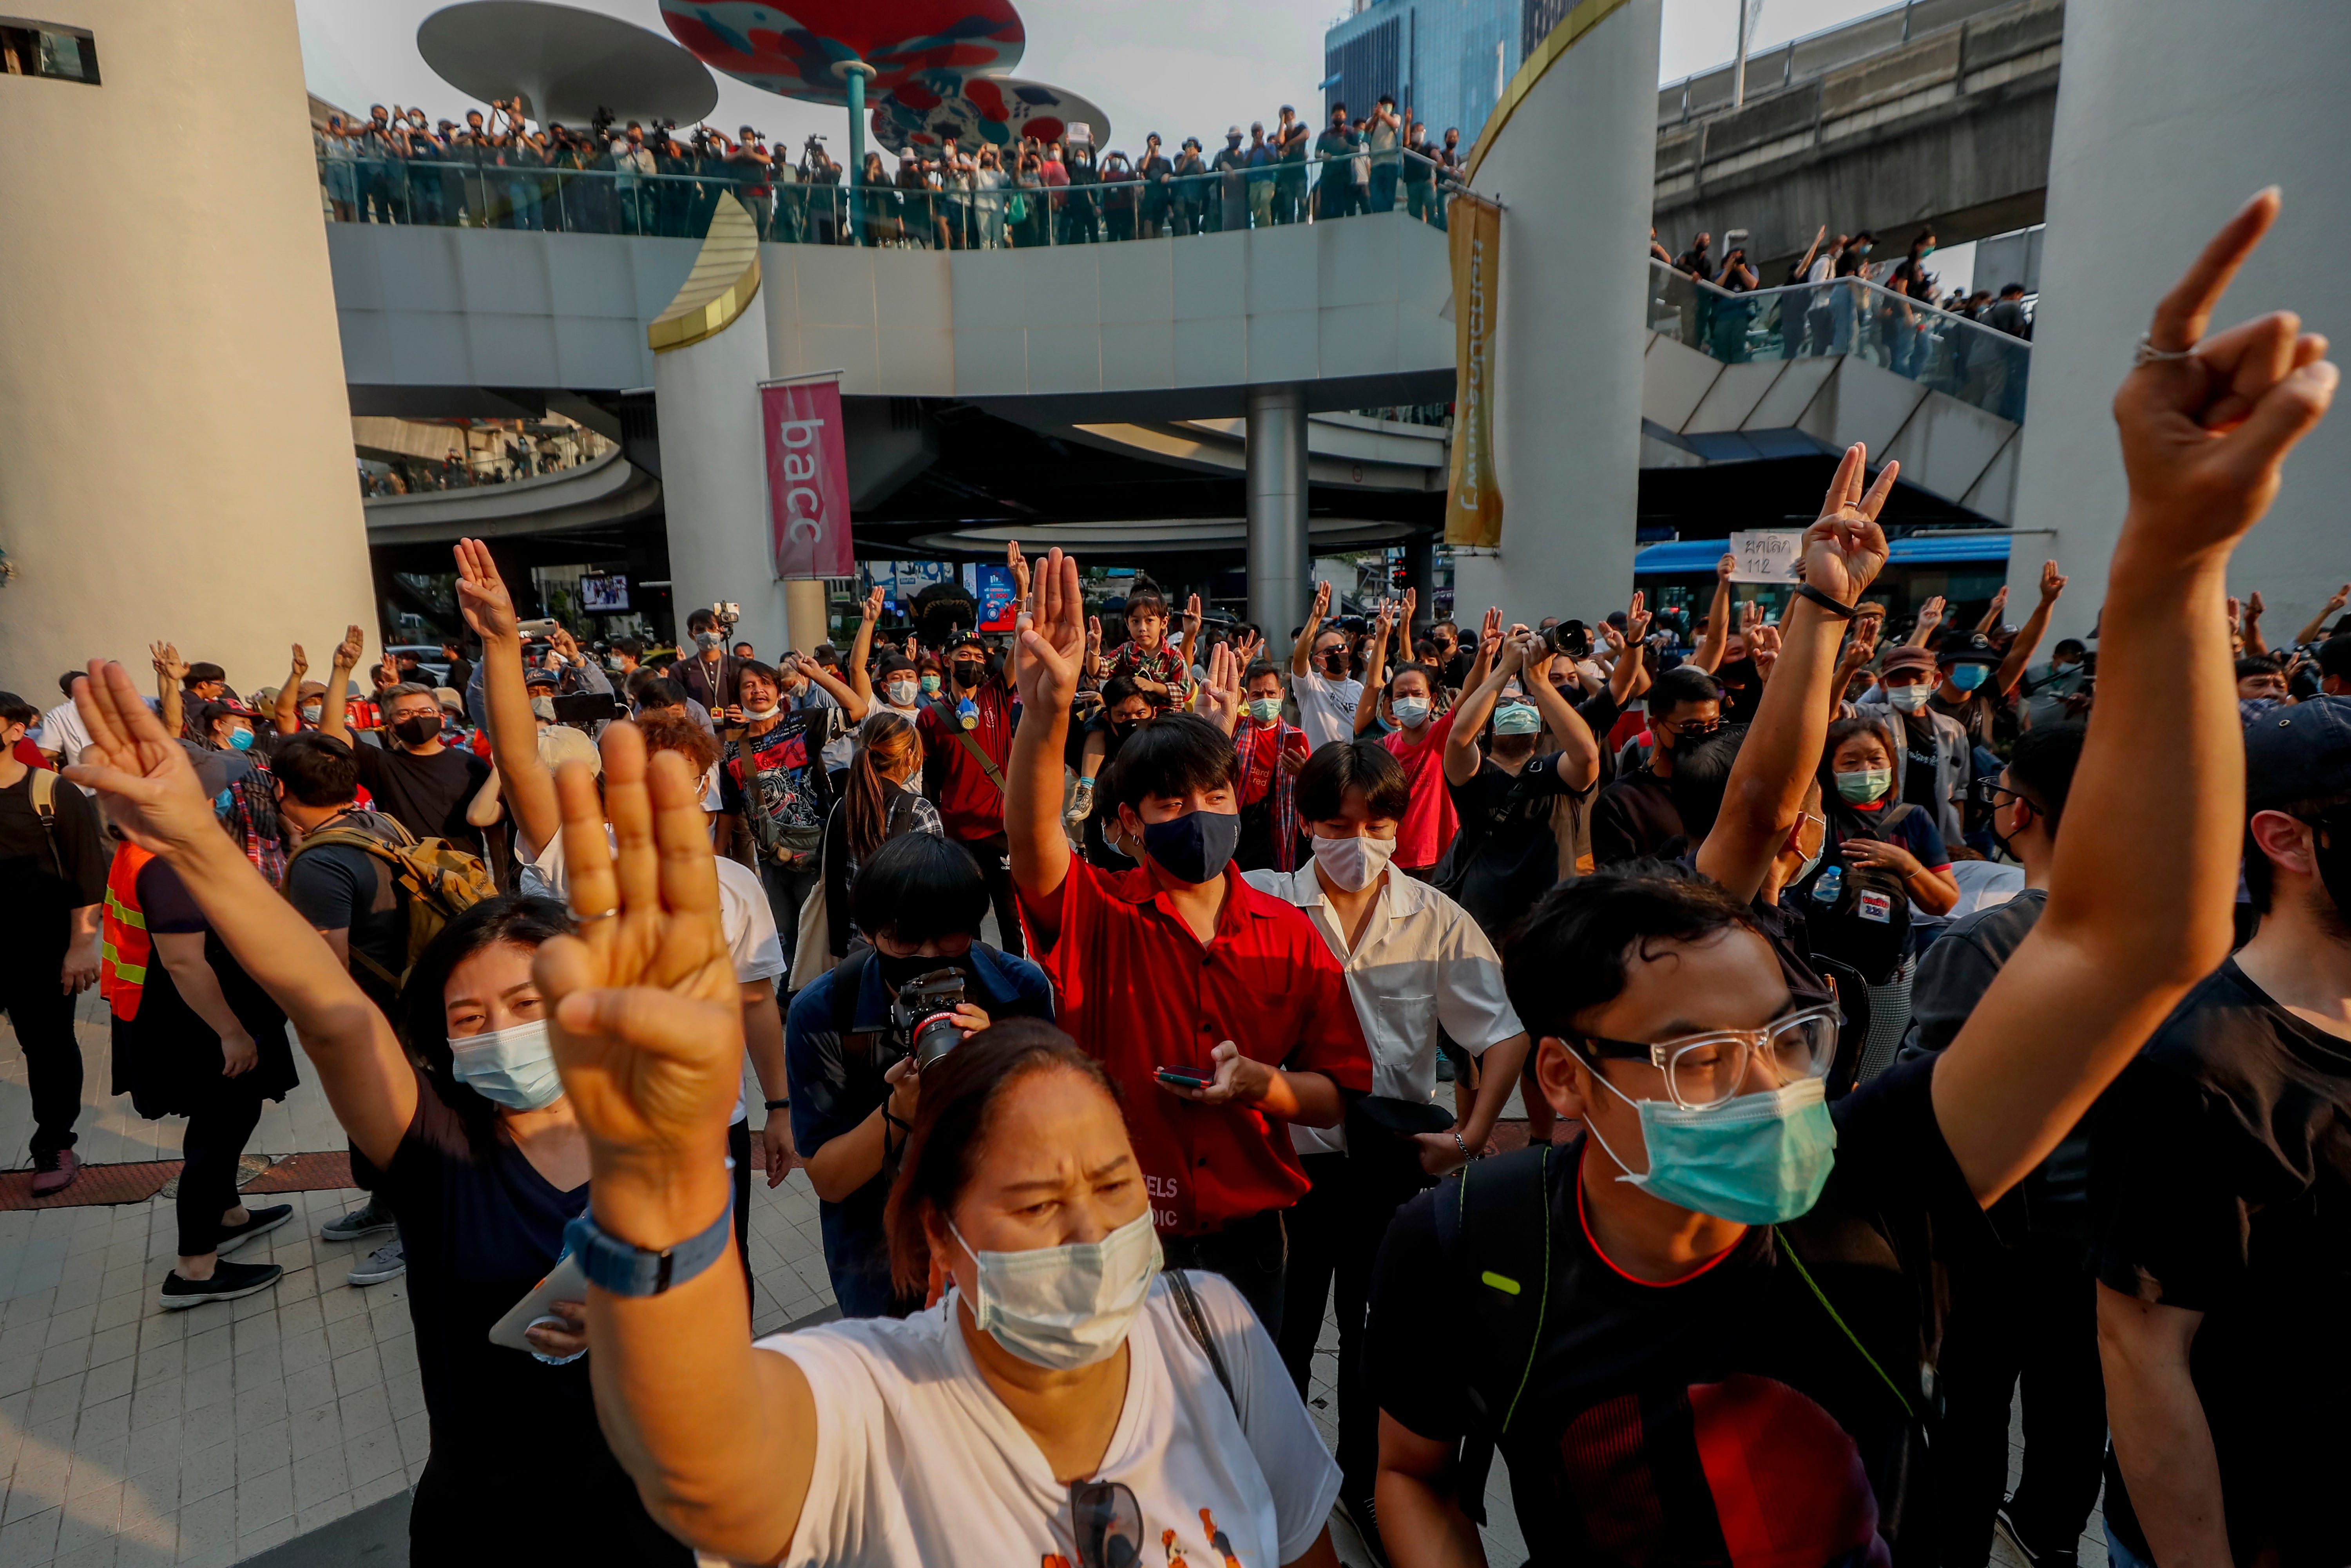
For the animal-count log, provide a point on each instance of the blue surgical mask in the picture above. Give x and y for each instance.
(241, 739)
(1517, 718)
(1195, 847)
(1265, 710)
(1968, 677)
(1761, 1159)
(1865, 784)
(512, 1067)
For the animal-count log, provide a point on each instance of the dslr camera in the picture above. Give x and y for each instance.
(922, 1016)
(1573, 638)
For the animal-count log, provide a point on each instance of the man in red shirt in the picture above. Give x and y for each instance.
(1217, 1008)
(1408, 700)
(967, 740)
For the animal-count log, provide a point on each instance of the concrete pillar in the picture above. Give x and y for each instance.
(805, 602)
(1569, 340)
(1277, 508)
(715, 479)
(1420, 572)
(2171, 113)
(176, 442)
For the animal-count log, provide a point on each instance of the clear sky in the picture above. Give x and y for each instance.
(1187, 68)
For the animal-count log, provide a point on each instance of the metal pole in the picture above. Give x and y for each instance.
(1739, 66)
(1276, 482)
(856, 71)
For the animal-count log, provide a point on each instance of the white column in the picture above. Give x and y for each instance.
(2170, 113)
(1276, 508)
(175, 441)
(1575, 166)
(715, 479)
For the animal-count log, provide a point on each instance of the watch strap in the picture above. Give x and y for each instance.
(627, 1270)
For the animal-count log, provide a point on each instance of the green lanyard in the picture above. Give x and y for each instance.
(1819, 1295)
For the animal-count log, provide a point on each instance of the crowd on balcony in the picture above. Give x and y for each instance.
(495, 170)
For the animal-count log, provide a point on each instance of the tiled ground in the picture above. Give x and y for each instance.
(136, 1437)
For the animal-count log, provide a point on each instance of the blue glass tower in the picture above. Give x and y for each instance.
(1445, 60)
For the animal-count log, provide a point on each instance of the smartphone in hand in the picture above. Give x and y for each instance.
(1184, 1077)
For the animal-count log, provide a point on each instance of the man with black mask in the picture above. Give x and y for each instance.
(1742, 683)
(854, 1085)
(966, 733)
(710, 674)
(416, 780)
(1327, 695)
(1636, 815)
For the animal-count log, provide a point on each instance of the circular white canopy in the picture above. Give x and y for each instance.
(567, 64)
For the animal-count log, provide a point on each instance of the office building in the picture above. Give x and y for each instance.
(1446, 60)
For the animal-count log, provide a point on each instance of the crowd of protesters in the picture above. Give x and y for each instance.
(498, 170)
(1891, 1022)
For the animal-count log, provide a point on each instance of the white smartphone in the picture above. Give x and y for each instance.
(567, 1281)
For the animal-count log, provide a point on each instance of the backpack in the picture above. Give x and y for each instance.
(434, 880)
(1499, 1224)
(1865, 925)
(44, 807)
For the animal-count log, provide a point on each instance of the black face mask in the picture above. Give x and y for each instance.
(417, 728)
(1195, 847)
(966, 672)
(1334, 663)
(898, 973)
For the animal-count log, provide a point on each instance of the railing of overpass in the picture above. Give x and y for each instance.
(448, 194)
(1976, 363)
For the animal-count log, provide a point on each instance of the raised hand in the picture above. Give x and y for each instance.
(1052, 651)
(1093, 635)
(1321, 600)
(482, 593)
(2236, 617)
(1729, 563)
(2052, 583)
(387, 671)
(150, 785)
(1998, 601)
(871, 609)
(1019, 565)
(1763, 647)
(1223, 692)
(301, 666)
(1844, 548)
(1636, 617)
(1192, 617)
(168, 662)
(646, 1023)
(2204, 437)
(1930, 614)
(1246, 649)
(351, 650)
(2253, 605)
(2338, 599)
(563, 642)
(1411, 603)
(1491, 627)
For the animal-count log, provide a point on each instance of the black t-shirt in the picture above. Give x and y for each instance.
(2220, 1183)
(1506, 854)
(1723, 1417)
(42, 877)
(1973, 713)
(426, 795)
(482, 1228)
(339, 887)
(1633, 816)
(167, 1057)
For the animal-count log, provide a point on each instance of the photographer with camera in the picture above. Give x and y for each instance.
(858, 1038)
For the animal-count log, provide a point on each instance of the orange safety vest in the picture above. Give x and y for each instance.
(127, 949)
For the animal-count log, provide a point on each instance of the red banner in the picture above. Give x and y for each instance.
(808, 480)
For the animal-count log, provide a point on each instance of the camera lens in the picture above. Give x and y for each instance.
(933, 1038)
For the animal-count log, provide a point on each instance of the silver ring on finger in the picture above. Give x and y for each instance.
(2146, 354)
(600, 915)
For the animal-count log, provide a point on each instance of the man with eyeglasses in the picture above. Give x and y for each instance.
(1709, 1331)
(2033, 1314)
(1636, 817)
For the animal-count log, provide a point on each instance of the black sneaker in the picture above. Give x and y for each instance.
(1364, 1514)
(229, 1281)
(257, 1222)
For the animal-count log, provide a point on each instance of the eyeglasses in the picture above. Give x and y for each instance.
(1704, 1070)
(1107, 1524)
(1688, 726)
(1988, 791)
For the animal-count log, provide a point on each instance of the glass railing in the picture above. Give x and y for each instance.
(555, 199)
(1976, 363)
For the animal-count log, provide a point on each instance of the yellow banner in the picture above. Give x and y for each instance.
(1473, 503)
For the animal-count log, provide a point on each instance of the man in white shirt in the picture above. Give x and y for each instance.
(1419, 972)
(61, 734)
(1327, 697)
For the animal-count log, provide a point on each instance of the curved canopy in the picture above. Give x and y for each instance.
(979, 112)
(795, 49)
(565, 63)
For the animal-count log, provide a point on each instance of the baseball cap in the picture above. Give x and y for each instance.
(1907, 657)
(2298, 753)
(541, 677)
(1966, 647)
(1234, 129)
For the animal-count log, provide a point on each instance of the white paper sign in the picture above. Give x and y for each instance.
(1766, 555)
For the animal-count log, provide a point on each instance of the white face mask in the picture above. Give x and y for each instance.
(1066, 1307)
(1909, 699)
(901, 692)
(1410, 712)
(1353, 864)
(761, 714)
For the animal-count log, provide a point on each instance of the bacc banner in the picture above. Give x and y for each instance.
(808, 480)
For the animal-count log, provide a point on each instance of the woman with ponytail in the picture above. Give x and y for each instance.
(881, 798)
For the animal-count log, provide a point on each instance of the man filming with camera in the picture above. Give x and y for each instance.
(857, 1040)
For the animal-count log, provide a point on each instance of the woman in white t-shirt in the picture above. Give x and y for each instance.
(1054, 1407)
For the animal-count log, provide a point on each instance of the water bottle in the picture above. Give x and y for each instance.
(1830, 883)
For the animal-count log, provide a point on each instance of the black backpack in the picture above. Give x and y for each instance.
(1865, 927)
(1494, 1230)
